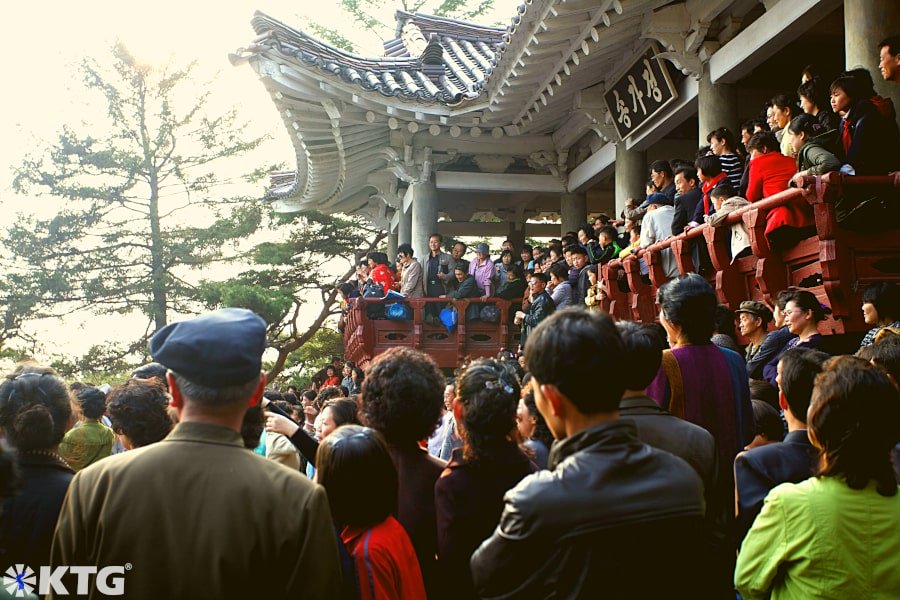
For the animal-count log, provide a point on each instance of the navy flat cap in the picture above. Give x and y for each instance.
(218, 349)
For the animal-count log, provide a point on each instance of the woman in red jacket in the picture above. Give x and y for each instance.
(379, 271)
(770, 173)
(355, 468)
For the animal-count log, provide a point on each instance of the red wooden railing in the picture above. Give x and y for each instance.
(836, 264)
(365, 338)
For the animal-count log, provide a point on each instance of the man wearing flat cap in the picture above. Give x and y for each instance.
(196, 515)
(753, 320)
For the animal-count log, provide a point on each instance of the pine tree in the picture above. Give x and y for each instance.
(143, 198)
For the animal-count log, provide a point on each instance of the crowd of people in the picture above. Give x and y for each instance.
(550, 473)
(605, 458)
(824, 127)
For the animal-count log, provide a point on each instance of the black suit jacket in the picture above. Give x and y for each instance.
(685, 205)
(660, 429)
(773, 344)
(759, 470)
(696, 446)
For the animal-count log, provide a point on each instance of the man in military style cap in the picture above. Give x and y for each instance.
(196, 515)
(754, 318)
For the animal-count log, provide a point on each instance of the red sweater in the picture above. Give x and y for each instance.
(385, 562)
(770, 173)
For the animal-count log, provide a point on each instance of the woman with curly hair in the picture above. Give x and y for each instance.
(469, 494)
(835, 535)
(35, 412)
(137, 409)
(402, 398)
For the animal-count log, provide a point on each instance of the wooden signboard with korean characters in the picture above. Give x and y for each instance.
(643, 91)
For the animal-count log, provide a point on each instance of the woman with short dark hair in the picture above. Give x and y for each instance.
(701, 382)
(355, 468)
(835, 535)
(868, 129)
(91, 440)
(722, 143)
(802, 314)
(35, 412)
(881, 308)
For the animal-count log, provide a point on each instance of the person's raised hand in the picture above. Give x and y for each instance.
(280, 424)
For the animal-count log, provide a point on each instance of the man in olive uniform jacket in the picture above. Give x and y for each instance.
(196, 515)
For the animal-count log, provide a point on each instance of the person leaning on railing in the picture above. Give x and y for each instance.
(482, 269)
(465, 288)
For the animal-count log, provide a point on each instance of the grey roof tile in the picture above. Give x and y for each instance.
(454, 66)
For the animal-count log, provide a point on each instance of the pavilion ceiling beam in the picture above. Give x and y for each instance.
(523, 145)
(512, 57)
(491, 182)
(768, 34)
(501, 229)
(570, 53)
(597, 166)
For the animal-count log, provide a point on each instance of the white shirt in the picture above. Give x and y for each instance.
(657, 226)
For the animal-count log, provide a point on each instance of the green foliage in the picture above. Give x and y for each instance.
(295, 276)
(332, 36)
(362, 13)
(101, 364)
(312, 357)
(143, 201)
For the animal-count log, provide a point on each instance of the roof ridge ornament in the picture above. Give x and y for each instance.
(413, 38)
(432, 59)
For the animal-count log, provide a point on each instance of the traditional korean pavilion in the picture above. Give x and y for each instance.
(555, 115)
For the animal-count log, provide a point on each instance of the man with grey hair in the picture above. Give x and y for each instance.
(197, 515)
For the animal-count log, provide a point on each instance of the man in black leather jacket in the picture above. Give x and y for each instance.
(613, 517)
(540, 307)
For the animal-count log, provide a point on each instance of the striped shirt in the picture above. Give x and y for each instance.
(733, 168)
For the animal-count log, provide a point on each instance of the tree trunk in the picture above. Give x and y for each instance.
(158, 308)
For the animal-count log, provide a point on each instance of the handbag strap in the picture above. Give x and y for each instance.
(676, 384)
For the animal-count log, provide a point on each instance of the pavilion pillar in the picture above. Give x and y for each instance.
(716, 107)
(424, 215)
(404, 226)
(516, 235)
(573, 211)
(866, 23)
(392, 246)
(631, 175)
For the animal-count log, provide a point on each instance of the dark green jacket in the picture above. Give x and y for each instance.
(466, 289)
(815, 158)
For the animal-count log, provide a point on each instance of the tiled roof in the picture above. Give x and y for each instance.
(431, 60)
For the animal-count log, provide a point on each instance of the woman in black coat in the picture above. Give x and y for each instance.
(35, 413)
(469, 494)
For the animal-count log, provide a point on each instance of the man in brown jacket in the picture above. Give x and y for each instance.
(196, 515)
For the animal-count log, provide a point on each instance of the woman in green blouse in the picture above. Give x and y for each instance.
(836, 535)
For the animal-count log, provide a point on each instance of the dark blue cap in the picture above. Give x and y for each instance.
(219, 349)
(657, 198)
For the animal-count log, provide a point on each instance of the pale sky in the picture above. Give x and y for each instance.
(44, 41)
